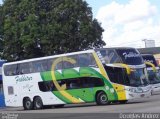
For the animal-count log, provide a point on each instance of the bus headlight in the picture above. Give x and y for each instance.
(135, 90)
(131, 90)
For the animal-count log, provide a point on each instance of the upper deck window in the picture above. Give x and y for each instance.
(110, 56)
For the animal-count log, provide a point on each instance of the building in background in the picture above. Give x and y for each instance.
(149, 43)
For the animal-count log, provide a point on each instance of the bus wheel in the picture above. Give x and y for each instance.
(37, 103)
(102, 99)
(59, 106)
(27, 104)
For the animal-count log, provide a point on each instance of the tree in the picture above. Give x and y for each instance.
(1, 30)
(35, 28)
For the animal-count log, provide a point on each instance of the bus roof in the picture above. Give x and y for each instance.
(116, 48)
(48, 57)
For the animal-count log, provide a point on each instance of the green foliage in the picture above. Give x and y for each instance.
(1, 30)
(35, 28)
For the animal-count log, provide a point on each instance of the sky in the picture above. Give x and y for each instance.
(127, 22)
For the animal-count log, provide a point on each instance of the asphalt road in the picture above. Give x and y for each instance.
(82, 111)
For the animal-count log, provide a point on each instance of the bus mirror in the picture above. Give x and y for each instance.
(124, 66)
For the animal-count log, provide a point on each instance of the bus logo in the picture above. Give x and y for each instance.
(22, 78)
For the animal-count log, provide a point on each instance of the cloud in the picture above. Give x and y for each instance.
(127, 24)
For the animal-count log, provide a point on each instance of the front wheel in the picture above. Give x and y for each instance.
(102, 99)
(37, 103)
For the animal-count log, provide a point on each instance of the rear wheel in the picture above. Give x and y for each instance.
(101, 98)
(37, 103)
(27, 104)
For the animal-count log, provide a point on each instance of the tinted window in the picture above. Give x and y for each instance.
(130, 56)
(150, 58)
(68, 84)
(46, 86)
(67, 65)
(50, 63)
(40, 66)
(86, 60)
(91, 82)
(10, 70)
(24, 68)
(117, 75)
(110, 56)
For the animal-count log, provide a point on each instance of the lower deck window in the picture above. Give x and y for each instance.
(74, 83)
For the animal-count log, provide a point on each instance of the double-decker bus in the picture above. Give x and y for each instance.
(77, 77)
(153, 72)
(127, 72)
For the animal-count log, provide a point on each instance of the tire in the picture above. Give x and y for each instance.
(102, 99)
(59, 106)
(37, 103)
(27, 104)
(123, 101)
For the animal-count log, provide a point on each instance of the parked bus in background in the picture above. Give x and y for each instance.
(153, 72)
(2, 104)
(57, 80)
(127, 72)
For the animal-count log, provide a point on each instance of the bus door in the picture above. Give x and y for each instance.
(118, 77)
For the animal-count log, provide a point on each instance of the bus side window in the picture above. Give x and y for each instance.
(46, 86)
(67, 65)
(51, 62)
(10, 70)
(92, 61)
(40, 66)
(83, 60)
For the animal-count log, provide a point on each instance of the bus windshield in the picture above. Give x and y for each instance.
(119, 75)
(138, 78)
(154, 77)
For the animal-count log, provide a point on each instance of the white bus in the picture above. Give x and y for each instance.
(129, 85)
(57, 80)
(153, 72)
(72, 78)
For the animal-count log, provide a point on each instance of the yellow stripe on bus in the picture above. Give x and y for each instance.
(100, 66)
(59, 88)
(119, 88)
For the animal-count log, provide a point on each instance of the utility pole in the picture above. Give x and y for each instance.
(144, 41)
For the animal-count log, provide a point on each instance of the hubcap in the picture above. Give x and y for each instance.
(103, 98)
(38, 104)
(28, 103)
